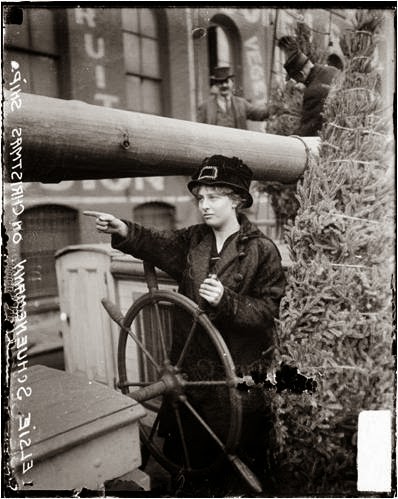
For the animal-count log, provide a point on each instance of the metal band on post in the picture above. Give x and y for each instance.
(308, 150)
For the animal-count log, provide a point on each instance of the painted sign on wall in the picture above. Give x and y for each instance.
(96, 56)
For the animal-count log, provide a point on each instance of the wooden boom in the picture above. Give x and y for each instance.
(72, 140)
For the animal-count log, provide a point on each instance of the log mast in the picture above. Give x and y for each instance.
(72, 140)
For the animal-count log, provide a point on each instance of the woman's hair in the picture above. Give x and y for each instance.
(224, 191)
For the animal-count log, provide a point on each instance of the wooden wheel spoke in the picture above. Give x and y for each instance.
(189, 339)
(126, 384)
(182, 436)
(204, 424)
(161, 332)
(143, 349)
(154, 427)
(206, 383)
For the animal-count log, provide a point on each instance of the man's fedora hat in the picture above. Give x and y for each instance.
(222, 171)
(295, 64)
(222, 73)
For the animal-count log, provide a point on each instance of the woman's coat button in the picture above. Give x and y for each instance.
(238, 277)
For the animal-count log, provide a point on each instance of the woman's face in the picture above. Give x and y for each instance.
(217, 209)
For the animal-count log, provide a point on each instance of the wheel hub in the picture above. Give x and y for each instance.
(173, 380)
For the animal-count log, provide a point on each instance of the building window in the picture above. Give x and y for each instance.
(156, 214)
(219, 48)
(142, 58)
(224, 46)
(33, 44)
(46, 229)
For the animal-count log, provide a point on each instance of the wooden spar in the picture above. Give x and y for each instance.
(72, 140)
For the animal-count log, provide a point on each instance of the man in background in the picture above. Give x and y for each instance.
(223, 108)
(317, 79)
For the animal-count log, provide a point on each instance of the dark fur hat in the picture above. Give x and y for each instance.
(222, 171)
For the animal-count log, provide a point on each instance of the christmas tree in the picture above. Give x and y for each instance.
(336, 322)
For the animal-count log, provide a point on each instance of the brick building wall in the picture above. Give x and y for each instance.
(149, 60)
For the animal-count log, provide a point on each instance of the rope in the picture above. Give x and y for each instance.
(351, 266)
(356, 218)
(363, 129)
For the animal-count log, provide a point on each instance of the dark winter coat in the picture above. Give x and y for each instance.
(317, 89)
(243, 110)
(249, 269)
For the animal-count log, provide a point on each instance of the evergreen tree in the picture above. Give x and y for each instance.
(336, 322)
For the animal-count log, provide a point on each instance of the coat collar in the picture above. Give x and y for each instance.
(235, 250)
(247, 229)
